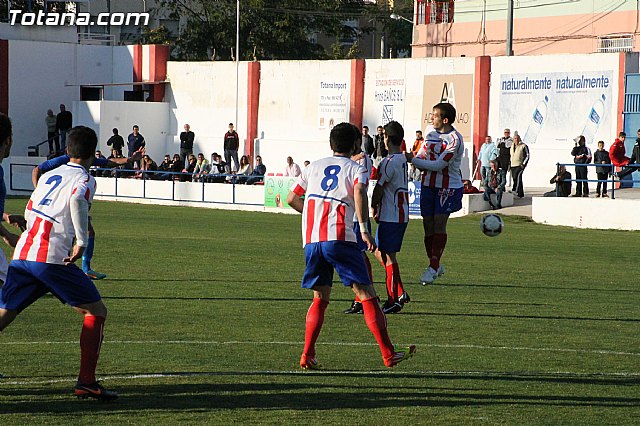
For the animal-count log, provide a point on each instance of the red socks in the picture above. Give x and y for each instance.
(377, 323)
(439, 243)
(90, 342)
(394, 282)
(315, 318)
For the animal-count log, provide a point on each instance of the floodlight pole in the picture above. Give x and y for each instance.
(510, 29)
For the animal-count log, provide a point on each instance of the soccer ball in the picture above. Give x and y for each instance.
(491, 225)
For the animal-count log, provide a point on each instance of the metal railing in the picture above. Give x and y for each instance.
(612, 175)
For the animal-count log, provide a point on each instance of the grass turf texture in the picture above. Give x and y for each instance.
(206, 324)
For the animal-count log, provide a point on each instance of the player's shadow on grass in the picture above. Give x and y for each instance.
(288, 391)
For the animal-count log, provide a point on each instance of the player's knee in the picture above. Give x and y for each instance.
(363, 291)
(6, 317)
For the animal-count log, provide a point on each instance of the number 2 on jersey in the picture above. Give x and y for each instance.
(330, 181)
(55, 180)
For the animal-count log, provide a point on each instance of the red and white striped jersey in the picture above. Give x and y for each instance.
(393, 178)
(50, 231)
(329, 204)
(439, 158)
(365, 162)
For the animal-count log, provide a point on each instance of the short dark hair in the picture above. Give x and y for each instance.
(343, 137)
(419, 131)
(135, 126)
(394, 133)
(367, 127)
(115, 130)
(82, 142)
(447, 111)
(6, 129)
(230, 124)
(622, 134)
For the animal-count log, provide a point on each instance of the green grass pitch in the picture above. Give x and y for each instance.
(206, 324)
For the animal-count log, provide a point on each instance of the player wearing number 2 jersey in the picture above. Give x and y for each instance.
(57, 214)
(335, 188)
(390, 203)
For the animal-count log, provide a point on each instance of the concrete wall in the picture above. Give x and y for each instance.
(203, 94)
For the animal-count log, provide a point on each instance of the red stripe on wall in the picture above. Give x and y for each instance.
(482, 77)
(310, 212)
(43, 250)
(4, 77)
(253, 102)
(356, 98)
(137, 64)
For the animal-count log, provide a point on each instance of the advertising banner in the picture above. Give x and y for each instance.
(389, 97)
(551, 109)
(454, 89)
(333, 103)
(276, 189)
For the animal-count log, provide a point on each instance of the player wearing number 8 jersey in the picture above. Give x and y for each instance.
(335, 188)
(439, 158)
(57, 213)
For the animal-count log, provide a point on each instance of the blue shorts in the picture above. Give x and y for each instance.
(438, 201)
(356, 228)
(27, 281)
(389, 236)
(322, 258)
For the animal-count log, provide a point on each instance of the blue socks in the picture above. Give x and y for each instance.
(88, 255)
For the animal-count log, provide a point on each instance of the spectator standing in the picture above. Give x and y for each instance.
(418, 142)
(367, 141)
(562, 181)
(634, 161)
(292, 169)
(116, 142)
(258, 172)
(379, 148)
(506, 139)
(64, 121)
(231, 145)
(601, 156)
(186, 142)
(504, 156)
(51, 121)
(488, 152)
(494, 184)
(519, 152)
(135, 141)
(581, 157)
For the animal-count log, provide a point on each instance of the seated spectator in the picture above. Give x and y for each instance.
(190, 167)
(147, 165)
(202, 168)
(562, 180)
(218, 169)
(245, 170)
(415, 175)
(258, 172)
(617, 151)
(94, 171)
(494, 184)
(176, 167)
(634, 162)
(117, 171)
(468, 188)
(165, 166)
(292, 169)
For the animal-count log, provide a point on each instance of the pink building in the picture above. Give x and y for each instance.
(479, 27)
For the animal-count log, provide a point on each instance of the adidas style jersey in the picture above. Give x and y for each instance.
(50, 232)
(329, 205)
(439, 158)
(365, 162)
(393, 178)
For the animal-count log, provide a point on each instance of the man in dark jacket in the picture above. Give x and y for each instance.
(367, 141)
(186, 143)
(634, 161)
(601, 156)
(581, 156)
(64, 121)
(116, 142)
(562, 180)
(504, 157)
(257, 175)
(231, 145)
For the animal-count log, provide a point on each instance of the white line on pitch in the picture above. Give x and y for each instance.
(289, 343)
(532, 374)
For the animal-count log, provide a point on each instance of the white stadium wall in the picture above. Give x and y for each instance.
(299, 100)
(203, 95)
(43, 75)
(519, 85)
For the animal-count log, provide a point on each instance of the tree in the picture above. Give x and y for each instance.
(269, 29)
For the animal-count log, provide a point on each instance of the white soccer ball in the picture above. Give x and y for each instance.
(491, 225)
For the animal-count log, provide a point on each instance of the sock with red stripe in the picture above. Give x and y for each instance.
(315, 319)
(377, 323)
(398, 289)
(90, 342)
(439, 243)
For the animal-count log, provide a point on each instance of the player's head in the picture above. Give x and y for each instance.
(82, 142)
(343, 138)
(6, 136)
(393, 133)
(443, 114)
